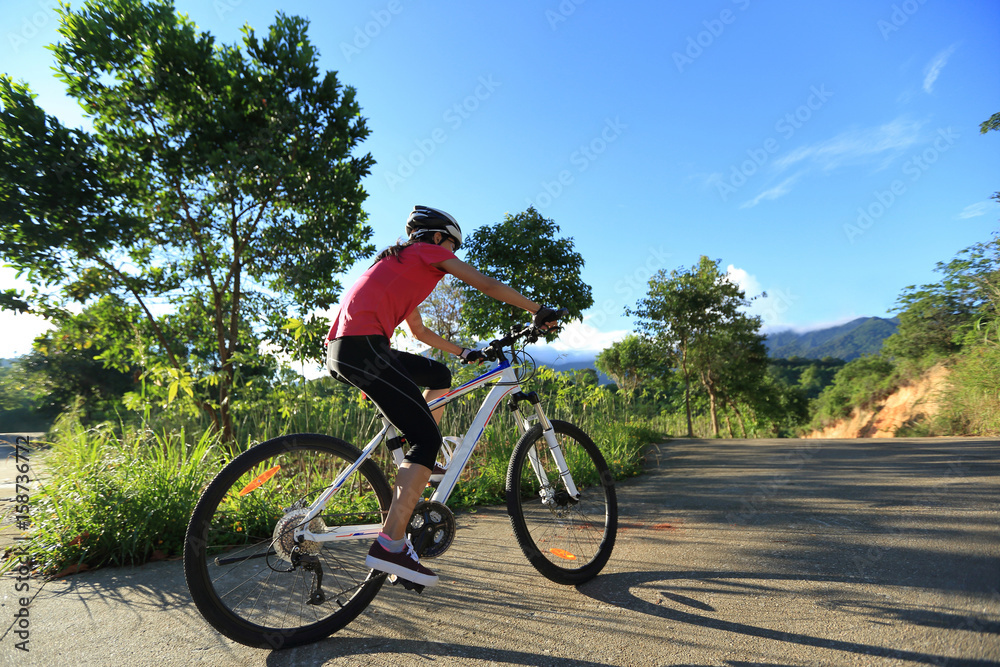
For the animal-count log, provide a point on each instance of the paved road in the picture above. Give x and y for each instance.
(8, 484)
(731, 552)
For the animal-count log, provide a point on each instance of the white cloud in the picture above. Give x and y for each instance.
(976, 210)
(746, 282)
(857, 146)
(933, 69)
(584, 338)
(770, 304)
(815, 326)
(779, 190)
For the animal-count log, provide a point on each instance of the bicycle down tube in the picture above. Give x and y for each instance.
(507, 384)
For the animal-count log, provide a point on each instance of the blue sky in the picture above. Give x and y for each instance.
(828, 152)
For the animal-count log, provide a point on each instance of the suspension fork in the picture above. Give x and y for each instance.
(550, 441)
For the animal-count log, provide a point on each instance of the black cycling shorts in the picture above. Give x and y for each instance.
(392, 380)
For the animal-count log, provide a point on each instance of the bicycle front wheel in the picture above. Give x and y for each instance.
(249, 579)
(568, 540)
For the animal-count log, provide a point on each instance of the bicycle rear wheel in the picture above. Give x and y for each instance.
(568, 540)
(247, 577)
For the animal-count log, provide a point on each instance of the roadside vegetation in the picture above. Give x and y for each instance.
(954, 323)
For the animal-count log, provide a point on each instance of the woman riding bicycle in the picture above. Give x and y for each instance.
(358, 353)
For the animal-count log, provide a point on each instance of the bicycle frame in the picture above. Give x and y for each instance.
(507, 383)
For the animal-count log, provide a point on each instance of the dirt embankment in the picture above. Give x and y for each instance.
(907, 405)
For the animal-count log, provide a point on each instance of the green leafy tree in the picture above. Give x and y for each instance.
(935, 319)
(695, 315)
(442, 313)
(990, 282)
(811, 376)
(20, 389)
(992, 123)
(860, 383)
(68, 362)
(523, 252)
(630, 362)
(732, 366)
(218, 190)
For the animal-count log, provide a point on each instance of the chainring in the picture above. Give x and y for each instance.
(431, 529)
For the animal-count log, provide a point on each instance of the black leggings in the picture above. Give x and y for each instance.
(390, 378)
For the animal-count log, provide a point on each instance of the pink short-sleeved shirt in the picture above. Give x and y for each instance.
(389, 291)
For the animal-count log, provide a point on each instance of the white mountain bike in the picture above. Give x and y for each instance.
(276, 546)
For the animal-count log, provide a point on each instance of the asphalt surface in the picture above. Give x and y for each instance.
(731, 552)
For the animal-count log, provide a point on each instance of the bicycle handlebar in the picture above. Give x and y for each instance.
(530, 333)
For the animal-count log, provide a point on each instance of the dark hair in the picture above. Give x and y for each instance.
(395, 250)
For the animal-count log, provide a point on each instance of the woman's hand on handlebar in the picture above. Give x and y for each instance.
(473, 356)
(546, 318)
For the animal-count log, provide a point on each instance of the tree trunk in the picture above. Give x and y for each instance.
(229, 373)
(709, 384)
(687, 393)
(739, 416)
(712, 410)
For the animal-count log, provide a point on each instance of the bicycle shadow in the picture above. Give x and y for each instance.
(407, 651)
(616, 589)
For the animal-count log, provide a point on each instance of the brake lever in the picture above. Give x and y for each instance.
(493, 350)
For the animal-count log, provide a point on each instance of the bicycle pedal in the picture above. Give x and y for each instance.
(408, 585)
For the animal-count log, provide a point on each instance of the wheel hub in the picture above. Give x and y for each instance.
(562, 498)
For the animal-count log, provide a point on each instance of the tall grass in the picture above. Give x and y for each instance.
(970, 402)
(116, 498)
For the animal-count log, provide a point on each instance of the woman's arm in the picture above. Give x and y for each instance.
(428, 337)
(491, 287)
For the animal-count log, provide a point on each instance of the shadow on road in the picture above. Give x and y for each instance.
(408, 651)
(617, 590)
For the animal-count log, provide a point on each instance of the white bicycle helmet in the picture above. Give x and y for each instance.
(424, 219)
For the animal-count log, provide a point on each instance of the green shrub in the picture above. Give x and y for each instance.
(115, 500)
(859, 384)
(971, 402)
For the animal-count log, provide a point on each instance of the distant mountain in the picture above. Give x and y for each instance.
(578, 366)
(864, 335)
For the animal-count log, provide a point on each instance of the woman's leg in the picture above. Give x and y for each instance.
(370, 365)
(411, 480)
(428, 373)
(430, 395)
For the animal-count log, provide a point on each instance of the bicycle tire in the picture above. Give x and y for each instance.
(256, 597)
(567, 541)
